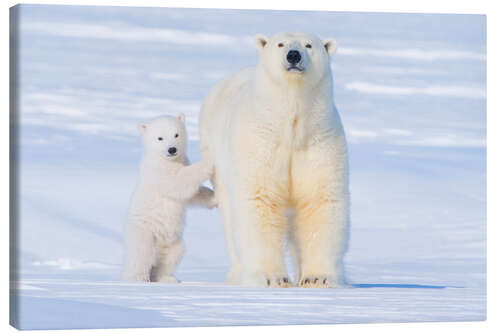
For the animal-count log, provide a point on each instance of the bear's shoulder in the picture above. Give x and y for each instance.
(235, 82)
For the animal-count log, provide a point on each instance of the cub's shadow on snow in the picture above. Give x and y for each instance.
(397, 285)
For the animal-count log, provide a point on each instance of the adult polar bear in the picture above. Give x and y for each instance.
(278, 143)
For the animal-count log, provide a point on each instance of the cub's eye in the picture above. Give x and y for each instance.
(280, 45)
(308, 46)
(176, 135)
(160, 138)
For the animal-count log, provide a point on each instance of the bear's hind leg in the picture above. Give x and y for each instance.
(139, 254)
(168, 258)
(234, 274)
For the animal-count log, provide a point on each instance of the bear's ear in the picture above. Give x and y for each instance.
(261, 41)
(181, 117)
(142, 128)
(330, 45)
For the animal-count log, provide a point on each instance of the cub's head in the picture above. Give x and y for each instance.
(295, 56)
(165, 137)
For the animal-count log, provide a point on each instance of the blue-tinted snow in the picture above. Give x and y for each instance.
(411, 90)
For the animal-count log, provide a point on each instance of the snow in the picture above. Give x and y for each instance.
(209, 303)
(411, 93)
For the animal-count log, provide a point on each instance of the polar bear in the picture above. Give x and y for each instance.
(153, 232)
(281, 164)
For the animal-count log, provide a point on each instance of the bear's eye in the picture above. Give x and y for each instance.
(160, 138)
(176, 135)
(308, 46)
(280, 45)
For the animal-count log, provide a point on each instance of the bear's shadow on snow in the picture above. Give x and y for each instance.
(397, 285)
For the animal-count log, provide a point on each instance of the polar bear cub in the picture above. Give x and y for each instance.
(167, 184)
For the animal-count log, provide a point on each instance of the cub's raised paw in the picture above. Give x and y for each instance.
(213, 202)
(209, 166)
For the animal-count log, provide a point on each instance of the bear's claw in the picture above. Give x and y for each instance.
(318, 282)
(266, 280)
(282, 282)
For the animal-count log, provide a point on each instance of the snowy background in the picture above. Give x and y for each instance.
(411, 91)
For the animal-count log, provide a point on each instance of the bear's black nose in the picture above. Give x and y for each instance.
(293, 56)
(172, 150)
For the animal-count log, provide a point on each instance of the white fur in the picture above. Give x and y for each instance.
(167, 184)
(278, 145)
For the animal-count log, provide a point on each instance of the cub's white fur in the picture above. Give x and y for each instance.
(279, 146)
(167, 183)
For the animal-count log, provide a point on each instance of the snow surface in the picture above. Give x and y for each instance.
(411, 90)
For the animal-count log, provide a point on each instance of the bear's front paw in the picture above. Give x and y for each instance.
(137, 277)
(268, 280)
(319, 281)
(168, 279)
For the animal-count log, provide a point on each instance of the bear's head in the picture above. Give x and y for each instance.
(165, 137)
(295, 56)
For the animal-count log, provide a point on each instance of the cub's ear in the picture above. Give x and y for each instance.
(181, 117)
(261, 41)
(330, 45)
(142, 128)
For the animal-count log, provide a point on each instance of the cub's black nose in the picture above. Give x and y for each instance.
(293, 56)
(172, 150)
